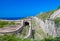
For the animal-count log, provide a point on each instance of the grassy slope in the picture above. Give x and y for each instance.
(14, 38)
(45, 15)
(5, 23)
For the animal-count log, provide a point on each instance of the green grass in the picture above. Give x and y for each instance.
(5, 23)
(9, 38)
(15, 38)
(45, 15)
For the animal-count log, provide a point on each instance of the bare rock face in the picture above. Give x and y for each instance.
(55, 14)
(52, 28)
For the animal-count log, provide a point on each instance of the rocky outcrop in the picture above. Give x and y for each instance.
(52, 29)
(55, 14)
(40, 22)
(48, 25)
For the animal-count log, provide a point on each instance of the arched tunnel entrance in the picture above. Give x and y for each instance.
(25, 23)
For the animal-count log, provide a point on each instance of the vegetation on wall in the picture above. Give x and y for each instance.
(57, 20)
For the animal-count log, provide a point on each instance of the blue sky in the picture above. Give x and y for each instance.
(23, 8)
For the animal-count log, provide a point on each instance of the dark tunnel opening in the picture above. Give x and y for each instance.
(26, 23)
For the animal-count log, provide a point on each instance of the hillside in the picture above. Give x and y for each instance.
(38, 28)
(45, 15)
